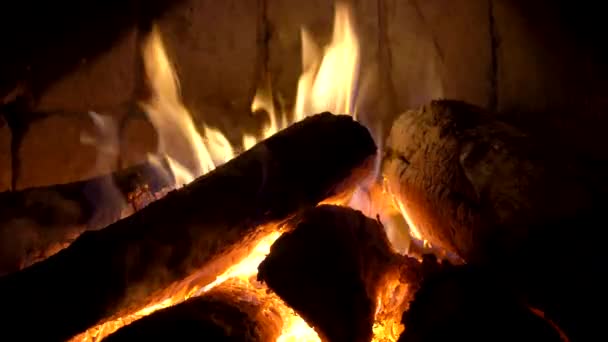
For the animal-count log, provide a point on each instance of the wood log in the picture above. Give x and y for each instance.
(508, 200)
(475, 185)
(468, 304)
(224, 314)
(197, 231)
(331, 269)
(37, 222)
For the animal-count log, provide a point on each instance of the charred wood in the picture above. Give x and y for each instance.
(468, 304)
(475, 185)
(509, 201)
(197, 230)
(332, 267)
(36, 222)
(224, 314)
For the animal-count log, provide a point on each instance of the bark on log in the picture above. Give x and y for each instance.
(197, 230)
(467, 304)
(37, 222)
(223, 314)
(507, 200)
(476, 186)
(331, 269)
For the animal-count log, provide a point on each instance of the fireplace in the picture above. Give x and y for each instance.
(366, 170)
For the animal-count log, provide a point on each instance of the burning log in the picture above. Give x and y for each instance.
(477, 186)
(332, 268)
(504, 199)
(467, 304)
(223, 314)
(196, 231)
(36, 222)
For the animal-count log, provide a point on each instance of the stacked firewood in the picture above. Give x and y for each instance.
(510, 206)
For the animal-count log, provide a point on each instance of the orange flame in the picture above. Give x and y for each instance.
(329, 80)
(328, 83)
(294, 328)
(190, 155)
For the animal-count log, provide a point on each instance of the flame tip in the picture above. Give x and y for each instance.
(328, 83)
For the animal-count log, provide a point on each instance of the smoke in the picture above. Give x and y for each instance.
(107, 199)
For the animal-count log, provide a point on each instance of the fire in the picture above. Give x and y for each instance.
(328, 83)
(243, 273)
(294, 327)
(392, 298)
(415, 231)
(190, 155)
(329, 77)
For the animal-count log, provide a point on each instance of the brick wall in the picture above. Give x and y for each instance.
(488, 52)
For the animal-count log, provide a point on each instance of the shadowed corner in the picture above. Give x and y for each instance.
(50, 39)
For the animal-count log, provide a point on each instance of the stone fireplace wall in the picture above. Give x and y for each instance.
(522, 60)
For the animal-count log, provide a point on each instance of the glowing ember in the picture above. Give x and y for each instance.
(392, 299)
(294, 327)
(328, 83)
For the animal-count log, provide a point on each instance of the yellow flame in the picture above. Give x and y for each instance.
(247, 267)
(329, 78)
(391, 302)
(413, 229)
(294, 328)
(328, 83)
(189, 154)
(263, 100)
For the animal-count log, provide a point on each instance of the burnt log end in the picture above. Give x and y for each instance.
(331, 268)
(224, 314)
(477, 186)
